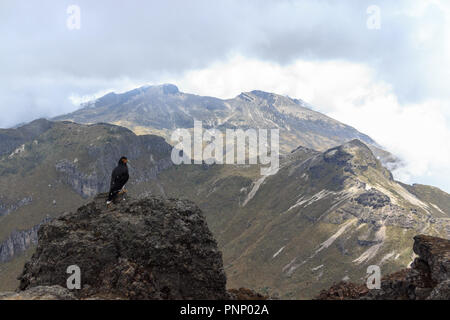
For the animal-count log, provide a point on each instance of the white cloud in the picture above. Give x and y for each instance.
(417, 133)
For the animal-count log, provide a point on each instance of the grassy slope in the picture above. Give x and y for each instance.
(32, 172)
(250, 235)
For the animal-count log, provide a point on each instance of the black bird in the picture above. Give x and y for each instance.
(119, 178)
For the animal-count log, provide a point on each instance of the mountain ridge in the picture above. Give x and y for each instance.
(324, 216)
(159, 109)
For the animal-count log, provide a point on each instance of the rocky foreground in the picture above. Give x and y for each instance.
(427, 279)
(150, 248)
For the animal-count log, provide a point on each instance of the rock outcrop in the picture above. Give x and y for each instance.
(427, 279)
(7, 208)
(151, 153)
(149, 248)
(19, 241)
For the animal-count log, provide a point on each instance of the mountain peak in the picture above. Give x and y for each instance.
(169, 88)
(355, 145)
(264, 95)
(165, 88)
(354, 152)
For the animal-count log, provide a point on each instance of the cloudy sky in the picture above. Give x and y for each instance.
(388, 77)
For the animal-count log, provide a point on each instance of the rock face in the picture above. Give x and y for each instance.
(434, 253)
(373, 199)
(427, 279)
(151, 154)
(6, 209)
(148, 248)
(18, 242)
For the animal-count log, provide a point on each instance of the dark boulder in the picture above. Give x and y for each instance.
(150, 248)
(373, 199)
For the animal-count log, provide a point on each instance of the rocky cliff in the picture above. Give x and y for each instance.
(147, 248)
(18, 242)
(427, 279)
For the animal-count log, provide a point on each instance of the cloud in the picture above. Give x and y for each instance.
(320, 51)
(145, 40)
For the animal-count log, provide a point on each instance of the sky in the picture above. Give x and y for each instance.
(381, 66)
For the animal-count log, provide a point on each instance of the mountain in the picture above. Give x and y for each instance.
(11, 140)
(161, 109)
(325, 216)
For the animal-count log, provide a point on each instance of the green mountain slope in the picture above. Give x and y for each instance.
(11, 140)
(323, 217)
(63, 167)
